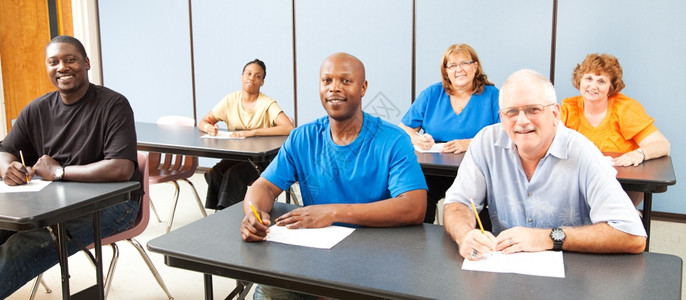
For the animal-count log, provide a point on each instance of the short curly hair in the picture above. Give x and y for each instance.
(600, 64)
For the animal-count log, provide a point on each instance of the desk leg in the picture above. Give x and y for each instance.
(97, 240)
(647, 209)
(63, 258)
(209, 294)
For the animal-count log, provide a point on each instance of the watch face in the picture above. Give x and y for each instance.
(557, 235)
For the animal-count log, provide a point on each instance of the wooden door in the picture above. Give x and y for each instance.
(24, 33)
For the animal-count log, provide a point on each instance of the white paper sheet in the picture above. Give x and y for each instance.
(223, 135)
(323, 238)
(545, 263)
(436, 148)
(35, 185)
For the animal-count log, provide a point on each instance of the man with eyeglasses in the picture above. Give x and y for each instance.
(546, 186)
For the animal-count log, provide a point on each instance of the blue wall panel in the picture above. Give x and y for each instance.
(379, 33)
(228, 34)
(507, 36)
(146, 55)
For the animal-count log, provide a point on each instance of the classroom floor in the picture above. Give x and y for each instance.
(132, 279)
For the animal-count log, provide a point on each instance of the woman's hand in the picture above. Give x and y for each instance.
(456, 146)
(423, 141)
(631, 158)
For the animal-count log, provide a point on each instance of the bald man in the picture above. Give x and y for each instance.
(352, 167)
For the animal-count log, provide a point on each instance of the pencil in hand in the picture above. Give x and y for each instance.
(21, 154)
(255, 212)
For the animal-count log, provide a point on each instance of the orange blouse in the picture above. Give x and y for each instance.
(626, 123)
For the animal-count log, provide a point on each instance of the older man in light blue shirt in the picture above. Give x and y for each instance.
(547, 186)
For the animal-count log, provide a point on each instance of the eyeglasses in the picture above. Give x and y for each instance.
(531, 111)
(462, 65)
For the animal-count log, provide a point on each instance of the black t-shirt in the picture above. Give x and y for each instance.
(98, 126)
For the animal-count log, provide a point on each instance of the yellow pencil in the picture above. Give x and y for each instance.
(255, 212)
(24, 164)
(477, 215)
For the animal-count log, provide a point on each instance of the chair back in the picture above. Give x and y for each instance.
(165, 167)
(143, 214)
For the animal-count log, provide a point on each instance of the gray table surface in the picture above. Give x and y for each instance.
(188, 141)
(404, 263)
(58, 202)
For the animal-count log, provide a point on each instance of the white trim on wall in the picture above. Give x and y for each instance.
(85, 17)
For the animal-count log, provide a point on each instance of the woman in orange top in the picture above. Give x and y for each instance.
(613, 121)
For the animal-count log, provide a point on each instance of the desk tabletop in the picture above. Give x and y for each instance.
(404, 263)
(651, 176)
(60, 201)
(187, 141)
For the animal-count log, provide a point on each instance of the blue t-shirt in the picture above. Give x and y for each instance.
(379, 164)
(432, 112)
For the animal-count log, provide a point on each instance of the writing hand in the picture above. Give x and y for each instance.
(251, 228)
(476, 244)
(424, 141)
(16, 174)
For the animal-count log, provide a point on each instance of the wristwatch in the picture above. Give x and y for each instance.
(558, 236)
(59, 173)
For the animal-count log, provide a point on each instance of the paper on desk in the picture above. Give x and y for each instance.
(436, 148)
(323, 238)
(34, 185)
(223, 135)
(545, 263)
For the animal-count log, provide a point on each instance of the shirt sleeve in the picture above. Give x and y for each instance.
(470, 181)
(405, 173)
(281, 171)
(414, 117)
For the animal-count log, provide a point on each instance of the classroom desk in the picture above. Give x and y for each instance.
(59, 202)
(652, 176)
(415, 262)
(187, 141)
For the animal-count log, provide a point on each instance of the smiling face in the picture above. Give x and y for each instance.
(67, 70)
(252, 78)
(461, 71)
(342, 85)
(532, 133)
(595, 87)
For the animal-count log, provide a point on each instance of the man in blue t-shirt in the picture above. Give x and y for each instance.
(352, 167)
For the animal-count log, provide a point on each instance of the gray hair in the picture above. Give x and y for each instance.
(527, 76)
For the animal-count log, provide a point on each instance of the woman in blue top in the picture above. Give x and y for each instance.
(452, 112)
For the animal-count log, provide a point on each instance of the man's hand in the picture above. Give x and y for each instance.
(251, 228)
(45, 167)
(16, 174)
(312, 216)
(476, 244)
(523, 239)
